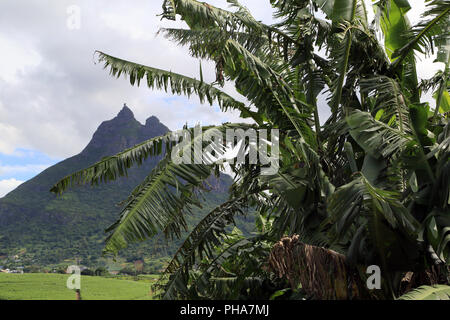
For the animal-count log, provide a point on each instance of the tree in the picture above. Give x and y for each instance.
(101, 271)
(87, 272)
(371, 184)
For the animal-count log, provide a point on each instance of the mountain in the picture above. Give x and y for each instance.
(50, 229)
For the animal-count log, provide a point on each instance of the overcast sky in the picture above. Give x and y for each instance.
(53, 96)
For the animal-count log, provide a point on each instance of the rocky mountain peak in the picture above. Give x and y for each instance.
(152, 121)
(123, 131)
(125, 113)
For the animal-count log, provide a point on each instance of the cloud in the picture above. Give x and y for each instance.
(52, 94)
(16, 59)
(9, 136)
(8, 185)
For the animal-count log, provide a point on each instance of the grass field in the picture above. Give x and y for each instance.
(37, 286)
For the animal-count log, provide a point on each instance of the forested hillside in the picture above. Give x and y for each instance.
(42, 226)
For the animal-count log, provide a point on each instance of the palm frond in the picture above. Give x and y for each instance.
(175, 286)
(438, 292)
(166, 195)
(159, 204)
(360, 197)
(206, 235)
(422, 37)
(112, 167)
(253, 73)
(169, 81)
(341, 57)
(201, 14)
(390, 101)
(201, 243)
(375, 137)
(200, 41)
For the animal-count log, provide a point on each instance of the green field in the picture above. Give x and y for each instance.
(37, 286)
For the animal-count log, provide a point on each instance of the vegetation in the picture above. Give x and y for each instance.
(53, 287)
(428, 293)
(368, 187)
(55, 244)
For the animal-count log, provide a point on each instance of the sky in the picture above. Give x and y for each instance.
(53, 95)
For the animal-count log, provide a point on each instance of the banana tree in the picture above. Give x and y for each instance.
(371, 184)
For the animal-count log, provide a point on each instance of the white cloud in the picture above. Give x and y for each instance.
(10, 135)
(7, 186)
(17, 57)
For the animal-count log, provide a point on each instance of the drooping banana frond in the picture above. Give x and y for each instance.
(243, 273)
(200, 244)
(375, 137)
(239, 61)
(341, 56)
(223, 45)
(254, 75)
(201, 14)
(199, 40)
(110, 168)
(390, 101)
(206, 235)
(379, 229)
(166, 195)
(436, 232)
(360, 197)
(395, 25)
(422, 37)
(244, 67)
(438, 292)
(176, 286)
(169, 81)
(159, 205)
